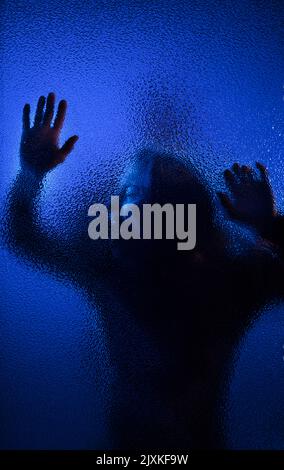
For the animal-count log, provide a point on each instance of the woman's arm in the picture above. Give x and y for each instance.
(39, 154)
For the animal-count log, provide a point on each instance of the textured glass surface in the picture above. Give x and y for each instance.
(203, 79)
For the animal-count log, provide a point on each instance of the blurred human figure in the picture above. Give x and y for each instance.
(173, 317)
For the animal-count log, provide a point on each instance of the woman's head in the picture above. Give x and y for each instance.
(157, 178)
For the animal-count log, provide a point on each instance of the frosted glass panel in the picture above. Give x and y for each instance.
(199, 79)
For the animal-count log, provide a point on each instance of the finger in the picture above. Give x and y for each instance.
(60, 116)
(229, 178)
(263, 172)
(236, 168)
(246, 173)
(49, 110)
(26, 117)
(39, 111)
(68, 146)
(228, 205)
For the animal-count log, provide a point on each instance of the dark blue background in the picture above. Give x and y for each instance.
(199, 78)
